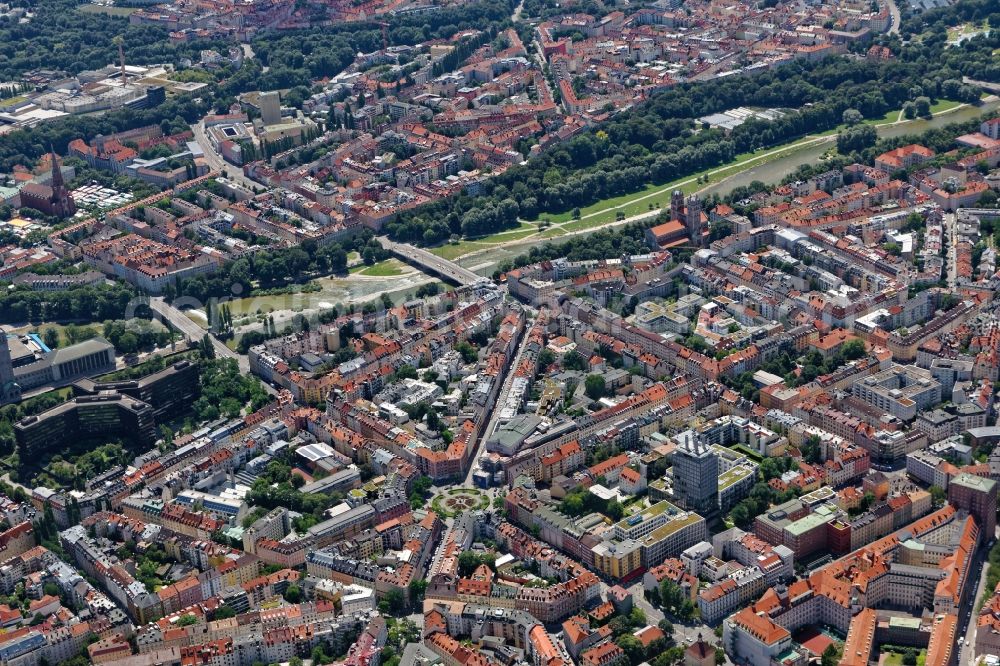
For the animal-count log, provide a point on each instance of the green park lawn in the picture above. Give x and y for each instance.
(110, 11)
(387, 268)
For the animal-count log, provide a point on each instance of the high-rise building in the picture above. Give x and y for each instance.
(9, 390)
(169, 391)
(978, 496)
(111, 414)
(696, 477)
(270, 108)
(155, 95)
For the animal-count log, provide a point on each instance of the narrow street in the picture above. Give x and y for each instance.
(516, 16)
(684, 634)
(968, 650)
(495, 414)
(14, 484)
(215, 161)
(968, 653)
(249, 53)
(653, 615)
(951, 256)
(894, 14)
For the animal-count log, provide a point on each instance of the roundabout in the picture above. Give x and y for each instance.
(456, 501)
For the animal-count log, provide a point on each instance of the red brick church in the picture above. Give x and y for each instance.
(688, 225)
(52, 198)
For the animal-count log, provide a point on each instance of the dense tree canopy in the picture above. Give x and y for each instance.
(300, 57)
(81, 304)
(278, 267)
(659, 141)
(60, 36)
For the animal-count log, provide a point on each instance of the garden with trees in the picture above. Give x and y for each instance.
(86, 304)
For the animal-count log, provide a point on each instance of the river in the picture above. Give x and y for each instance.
(770, 172)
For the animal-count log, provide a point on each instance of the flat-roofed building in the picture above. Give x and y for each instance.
(695, 475)
(343, 525)
(617, 559)
(978, 496)
(101, 415)
(87, 358)
(682, 530)
(937, 424)
(901, 391)
(168, 391)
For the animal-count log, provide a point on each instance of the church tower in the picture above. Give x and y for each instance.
(62, 203)
(692, 219)
(677, 206)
